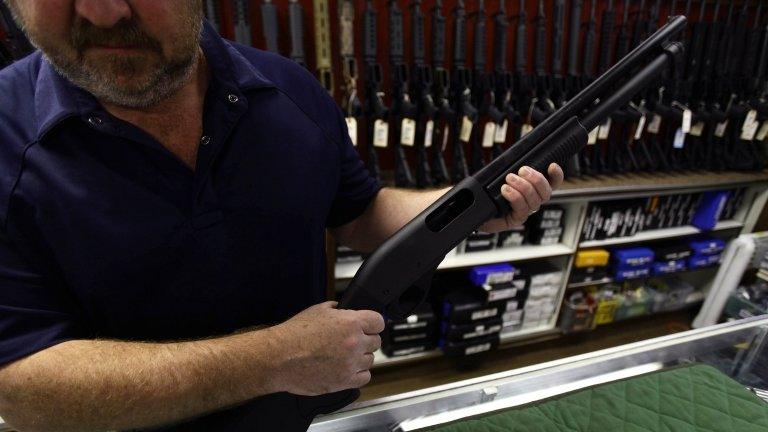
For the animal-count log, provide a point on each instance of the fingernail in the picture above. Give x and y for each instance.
(524, 171)
(506, 188)
(510, 177)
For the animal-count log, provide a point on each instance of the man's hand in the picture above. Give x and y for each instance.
(323, 349)
(526, 192)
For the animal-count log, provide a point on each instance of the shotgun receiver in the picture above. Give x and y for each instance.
(397, 276)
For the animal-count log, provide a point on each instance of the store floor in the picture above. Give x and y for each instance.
(396, 379)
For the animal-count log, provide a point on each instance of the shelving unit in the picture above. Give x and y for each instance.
(575, 197)
(608, 280)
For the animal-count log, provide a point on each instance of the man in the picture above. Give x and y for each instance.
(163, 193)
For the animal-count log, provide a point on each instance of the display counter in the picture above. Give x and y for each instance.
(738, 349)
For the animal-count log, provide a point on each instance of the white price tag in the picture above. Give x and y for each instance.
(749, 130)
(751, 117)
(488, 131)
(687, 117)
(466, 129)
(525, 130)
(380, 133)
(408, 132)
(697, 129)
(444, 144)
(763, 131)
(679, 138)
(655, 124)
(352, 129)
(604, 130)
(592, 136)
(720, 129)
(640, 128)
(429, 132)
(500, 137)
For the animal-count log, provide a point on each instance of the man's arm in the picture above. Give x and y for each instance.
(86, 385)
(393, 208)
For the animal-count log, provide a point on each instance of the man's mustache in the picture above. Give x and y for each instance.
(124, 33)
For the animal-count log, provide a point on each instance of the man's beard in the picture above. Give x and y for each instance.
(139, 79)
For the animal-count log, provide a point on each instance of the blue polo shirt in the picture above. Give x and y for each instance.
(106, 234)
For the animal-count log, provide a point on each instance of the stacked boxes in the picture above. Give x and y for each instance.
(607, 302)
(671, 258)
(631, 263)
(545, 227)
(705, 252)
(544, 281)
(590, 265)
(471, 324)
(578, 313)
(503, 282)
(412, 335)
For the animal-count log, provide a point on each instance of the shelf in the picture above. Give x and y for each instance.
(586, 284)
(659, 234)
(380, 359)
(519, 253)
(610, 280)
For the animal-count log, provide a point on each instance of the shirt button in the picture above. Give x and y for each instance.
(94, 121)
(205, 140)
(233, 98)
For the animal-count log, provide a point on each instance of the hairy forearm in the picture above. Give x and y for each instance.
(104, 385)
(391, 209)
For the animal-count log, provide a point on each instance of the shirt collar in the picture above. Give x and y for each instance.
(57, 99)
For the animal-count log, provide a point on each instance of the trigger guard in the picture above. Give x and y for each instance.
(411, 299)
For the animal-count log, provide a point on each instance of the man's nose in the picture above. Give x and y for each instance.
(103, 13)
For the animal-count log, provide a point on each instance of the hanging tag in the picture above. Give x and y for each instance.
(655, 124)
(763, 131)
(604, 129)
(720, 129)
(446, 131)
(640, 127)
(592, 136)
(466, 129)
(697, 129)
(408, 132)
(488, 132)
(429, 131)
(687, 116)
(500, 137)
(679, 138)
(749, 130)
(525, 129)
(380, 133)
(751, 117)
(352, 129)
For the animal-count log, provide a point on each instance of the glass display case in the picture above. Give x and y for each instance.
(739, 349)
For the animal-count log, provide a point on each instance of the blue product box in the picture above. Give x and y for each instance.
(666, 267)
(709, 210)
(491, 274)
(699, 261)
(633, 257)
(623, 273)
(707, 246)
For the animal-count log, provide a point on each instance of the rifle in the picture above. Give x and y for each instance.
(350, 103)
(543, 106)
(638, 31)
(484, 96)
(242, 18)
(587, 71)
(502, 79)
(602, 151)
(212, 13)
(422, 88)
(606, 33)
(323, 57)
(524, 85)
(375, 110)
(572, 83)
(396, 277)
(440, 91)
(402, 113)
(557, 86)
(466, 114)
(16, 44)
(270, 25)
(296, 24)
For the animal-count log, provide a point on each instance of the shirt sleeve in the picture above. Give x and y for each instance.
(34, 314)
(356, 186)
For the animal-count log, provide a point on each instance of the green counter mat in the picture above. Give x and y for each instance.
(691, 398)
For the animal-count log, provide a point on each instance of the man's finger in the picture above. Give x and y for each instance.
(366, 362)
(361, 378)
(371, 322)
(556, 175)
(516, 201)
(538, 181)
(371, 343)
(526, 189)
